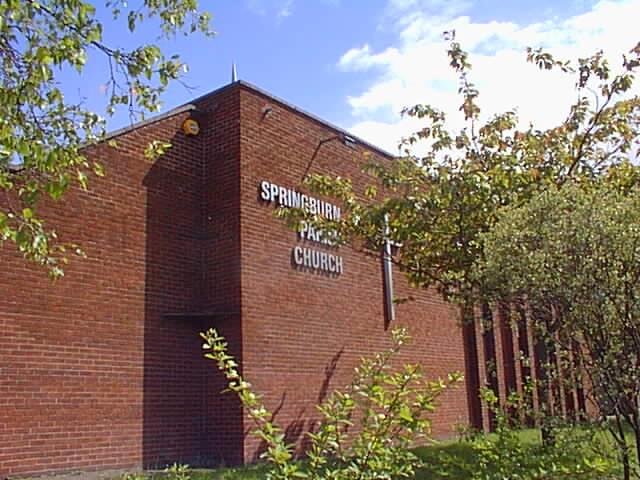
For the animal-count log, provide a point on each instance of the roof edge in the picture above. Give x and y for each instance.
(289, 105)
(149, 121)
(315, 118)
(190, 106)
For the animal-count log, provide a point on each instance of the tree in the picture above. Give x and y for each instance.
(438, 205)
(42, 134)
(574, 253)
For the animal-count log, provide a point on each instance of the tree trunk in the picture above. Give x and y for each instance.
(623, 448)
(625, 465)
(637, 435)
(542, 380)
(636, 432)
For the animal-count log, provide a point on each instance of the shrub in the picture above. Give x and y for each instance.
(572, 452)
(178, 471)
(364, 432)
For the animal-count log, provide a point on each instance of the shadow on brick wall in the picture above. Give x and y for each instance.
(185, 419)
(296, 428)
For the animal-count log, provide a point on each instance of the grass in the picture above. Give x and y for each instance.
(455, 460)
(251, 472)
(451, 460)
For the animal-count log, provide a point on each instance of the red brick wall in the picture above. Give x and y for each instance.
(223, 437)
(92, 376)
(302, 332)
(103, 368)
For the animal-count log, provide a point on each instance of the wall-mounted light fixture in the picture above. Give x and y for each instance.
(349, 141)
(266, 111)
(190, 127)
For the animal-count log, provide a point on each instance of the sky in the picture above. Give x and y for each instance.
(357, 63)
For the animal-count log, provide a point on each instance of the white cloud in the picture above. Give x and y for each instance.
(285, 10)
(415, 69)
(361, 58)
(281, 9)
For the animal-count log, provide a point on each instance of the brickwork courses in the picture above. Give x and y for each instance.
(103, 369)
(306, 331)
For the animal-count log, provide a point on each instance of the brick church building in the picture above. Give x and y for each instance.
(103, 369)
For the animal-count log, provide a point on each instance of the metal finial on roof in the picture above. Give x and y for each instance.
(234, 73)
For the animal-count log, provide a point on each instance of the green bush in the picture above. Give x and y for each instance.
(133, 476)
(571, 452)
(178, 471)
(364, 432)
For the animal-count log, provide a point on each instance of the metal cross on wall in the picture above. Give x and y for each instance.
(387, 269)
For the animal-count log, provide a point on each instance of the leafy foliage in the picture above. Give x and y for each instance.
(437, 205)
(133, 476)
(43, 135)
(365, 432)
(178, 472)
(512, 452)
(573, 454)
(573, 253)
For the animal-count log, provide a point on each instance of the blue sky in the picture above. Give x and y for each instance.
(356, 63)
